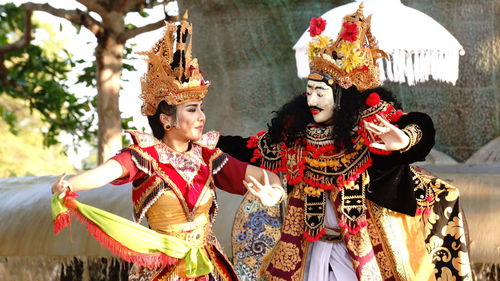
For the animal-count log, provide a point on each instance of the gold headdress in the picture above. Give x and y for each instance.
(351, 59)
(172, 76)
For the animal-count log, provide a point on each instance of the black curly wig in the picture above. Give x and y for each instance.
(291, 119)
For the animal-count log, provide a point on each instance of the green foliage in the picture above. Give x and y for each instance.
(39, 75)
(15, 19)
(23, 154)
(39, 78)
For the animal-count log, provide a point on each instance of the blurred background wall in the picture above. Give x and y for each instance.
(244, 49)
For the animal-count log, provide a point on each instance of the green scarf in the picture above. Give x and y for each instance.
(131, 241)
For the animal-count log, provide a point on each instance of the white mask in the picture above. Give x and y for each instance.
(320, 101)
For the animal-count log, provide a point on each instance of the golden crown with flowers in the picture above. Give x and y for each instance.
(173, 75)
(351, 59)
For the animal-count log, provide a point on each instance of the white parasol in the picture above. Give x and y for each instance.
(418, 46)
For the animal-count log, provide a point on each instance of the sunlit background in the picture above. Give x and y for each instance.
(59, 34)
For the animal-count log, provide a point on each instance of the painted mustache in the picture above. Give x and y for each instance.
(315, 107)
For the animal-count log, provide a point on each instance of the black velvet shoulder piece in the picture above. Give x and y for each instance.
(391, 179)
(236, 146)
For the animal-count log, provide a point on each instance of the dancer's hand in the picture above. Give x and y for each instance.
(61, 186)
(392, 137)
(269, 195)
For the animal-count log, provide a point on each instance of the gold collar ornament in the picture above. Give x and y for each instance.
(173, 75)
(349, 60)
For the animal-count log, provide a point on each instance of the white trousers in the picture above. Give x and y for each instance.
(329, 261)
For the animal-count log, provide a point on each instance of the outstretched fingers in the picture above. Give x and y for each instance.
(60, 186)
(257, 186)
(60, 179)
(250, 188)
(383, 120)
(378, 145)
(376, 129)
(387, 124)
(266, 178)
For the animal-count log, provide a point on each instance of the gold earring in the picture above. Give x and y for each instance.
(167, 127)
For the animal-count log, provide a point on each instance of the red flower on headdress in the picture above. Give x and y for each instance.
(373, 99)
(316, 26)
(350, 32)
(364, 68)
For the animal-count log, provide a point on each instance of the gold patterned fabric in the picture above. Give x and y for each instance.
(414, 134)
(406, 259)
(256, 230)
(287, 259)
(173, 75)
(167, 216)
(444, 227)
(394, 246)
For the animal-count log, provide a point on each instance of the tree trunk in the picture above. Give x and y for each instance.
(109, 55)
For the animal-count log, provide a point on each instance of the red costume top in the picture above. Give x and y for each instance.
(152, 166)
(176, 192)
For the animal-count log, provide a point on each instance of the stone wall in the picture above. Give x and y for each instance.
(245, 49)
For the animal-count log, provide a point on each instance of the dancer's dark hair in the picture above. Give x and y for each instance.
(155, 122)
(291, 119)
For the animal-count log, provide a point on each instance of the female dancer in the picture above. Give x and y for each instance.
(174, 174)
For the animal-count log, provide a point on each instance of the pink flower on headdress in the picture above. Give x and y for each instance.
(316, 26)
(350, 32)
(191, 69)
